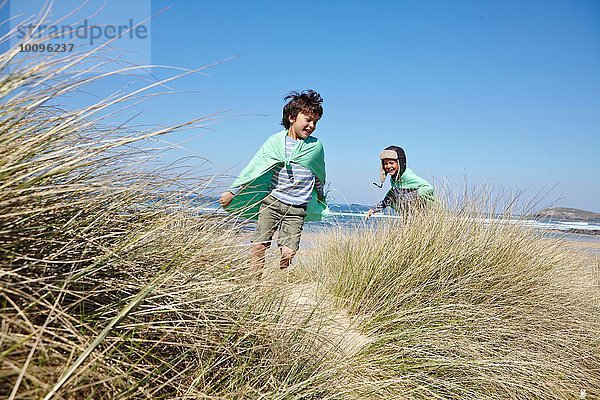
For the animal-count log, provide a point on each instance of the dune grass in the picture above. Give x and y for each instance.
(460, 307)
(112, 287)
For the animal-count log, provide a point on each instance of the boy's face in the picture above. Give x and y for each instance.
(390, 166)
(303, 125)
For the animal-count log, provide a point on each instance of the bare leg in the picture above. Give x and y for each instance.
(257, 260)
(286, 257)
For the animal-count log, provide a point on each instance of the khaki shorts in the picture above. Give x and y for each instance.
(274, 215)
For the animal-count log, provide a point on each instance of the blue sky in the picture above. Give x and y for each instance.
(504, 93)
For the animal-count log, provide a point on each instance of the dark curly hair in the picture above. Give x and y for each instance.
(308, 102)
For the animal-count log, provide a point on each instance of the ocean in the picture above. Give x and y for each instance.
(352, 216)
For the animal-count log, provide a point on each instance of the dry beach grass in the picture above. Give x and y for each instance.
(460, 309)
(113, 288)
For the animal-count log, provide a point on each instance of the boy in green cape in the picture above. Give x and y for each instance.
(408, 190)
(282, 186)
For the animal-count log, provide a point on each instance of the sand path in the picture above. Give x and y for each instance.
(335, 324)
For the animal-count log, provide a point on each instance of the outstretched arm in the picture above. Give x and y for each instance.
(386, 202)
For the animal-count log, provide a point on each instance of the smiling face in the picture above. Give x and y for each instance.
(302, 126)
(390, 166)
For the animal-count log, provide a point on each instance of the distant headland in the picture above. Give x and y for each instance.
(568, 214)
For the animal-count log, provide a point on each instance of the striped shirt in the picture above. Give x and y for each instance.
(400, 199)
(293, 184)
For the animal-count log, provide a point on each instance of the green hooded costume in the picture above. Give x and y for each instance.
(256, 177)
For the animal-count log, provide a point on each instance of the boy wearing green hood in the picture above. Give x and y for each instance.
(408, 190)
(282, 186)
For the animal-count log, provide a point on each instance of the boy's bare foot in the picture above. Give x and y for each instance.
(286, 257)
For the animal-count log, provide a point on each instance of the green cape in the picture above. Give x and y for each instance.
(256, 177)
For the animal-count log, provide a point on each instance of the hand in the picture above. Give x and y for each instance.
(225, 199)
(369, 213)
